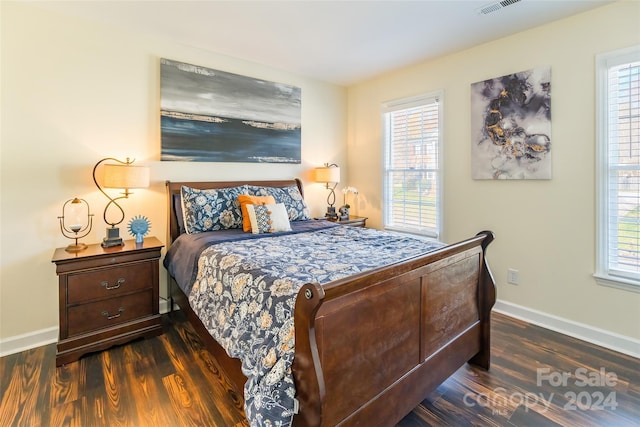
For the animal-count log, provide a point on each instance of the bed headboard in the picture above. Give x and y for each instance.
(173, 189)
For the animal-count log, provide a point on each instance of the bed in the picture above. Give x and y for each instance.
(370, 344)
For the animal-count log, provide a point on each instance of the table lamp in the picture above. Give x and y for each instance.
(124, 176)
(329, 174)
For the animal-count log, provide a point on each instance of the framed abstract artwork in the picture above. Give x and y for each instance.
(511, 126)
(208, 115)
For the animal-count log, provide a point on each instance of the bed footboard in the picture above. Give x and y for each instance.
(371, 347)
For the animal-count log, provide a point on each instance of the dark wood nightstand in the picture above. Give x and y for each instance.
(107, 296)
(354, 221)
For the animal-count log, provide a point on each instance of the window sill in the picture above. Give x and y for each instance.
(617, 282)
(415, 233)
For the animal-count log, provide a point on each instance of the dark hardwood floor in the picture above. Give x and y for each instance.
(537, 378)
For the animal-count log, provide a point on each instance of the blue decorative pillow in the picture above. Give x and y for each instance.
(212, 209)
(296, 207)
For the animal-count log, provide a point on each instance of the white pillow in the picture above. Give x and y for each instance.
(268, 218)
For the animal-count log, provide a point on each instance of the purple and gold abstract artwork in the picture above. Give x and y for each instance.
(511, 126)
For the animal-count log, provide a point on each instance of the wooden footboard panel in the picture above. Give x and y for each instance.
(384, 340)
(396, 401)
(367, 341)
(449, 299)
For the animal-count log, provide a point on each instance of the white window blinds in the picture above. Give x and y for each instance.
(412, 178)
(619, 171)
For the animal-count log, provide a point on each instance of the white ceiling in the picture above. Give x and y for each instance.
(341, 42)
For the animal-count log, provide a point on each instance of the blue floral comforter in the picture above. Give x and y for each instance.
(244, 292)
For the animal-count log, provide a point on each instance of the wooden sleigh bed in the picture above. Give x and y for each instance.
(350, 368)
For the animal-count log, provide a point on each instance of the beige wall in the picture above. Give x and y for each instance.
(544, 229)
(74, 92)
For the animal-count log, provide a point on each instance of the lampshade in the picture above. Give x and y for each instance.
(125, 176)
(327, 174)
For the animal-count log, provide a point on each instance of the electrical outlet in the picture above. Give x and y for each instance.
(513, 276)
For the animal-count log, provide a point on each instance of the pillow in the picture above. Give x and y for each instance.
(296, 207)
(245, 199)
(268, 218)
(213, 209)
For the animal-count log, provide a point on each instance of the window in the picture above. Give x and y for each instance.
(618, 168)
(412, 165)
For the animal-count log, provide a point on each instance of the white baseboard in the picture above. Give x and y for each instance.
(164, 306)
(601, 337)
(28, 341)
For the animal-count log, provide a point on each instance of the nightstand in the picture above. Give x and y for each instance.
(107, 296)
(354, 221)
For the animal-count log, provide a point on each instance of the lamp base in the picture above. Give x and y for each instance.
(331, 213)
(113, 238)
(78, 247)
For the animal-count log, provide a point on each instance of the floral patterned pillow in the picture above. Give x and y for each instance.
(212, 209)
(297, 209)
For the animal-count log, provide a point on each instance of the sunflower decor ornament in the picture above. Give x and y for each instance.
(139, 227)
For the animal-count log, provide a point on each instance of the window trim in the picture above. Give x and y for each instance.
(401, 104)
(605, 61)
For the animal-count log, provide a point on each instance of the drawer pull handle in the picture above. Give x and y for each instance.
(119, 283)
(112, 316)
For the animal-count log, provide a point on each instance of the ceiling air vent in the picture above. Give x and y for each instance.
(492, 7)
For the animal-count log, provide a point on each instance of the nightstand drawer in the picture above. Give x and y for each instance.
(109, 282)
(109, 312)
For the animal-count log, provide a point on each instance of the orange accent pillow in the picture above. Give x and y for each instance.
(245, 200)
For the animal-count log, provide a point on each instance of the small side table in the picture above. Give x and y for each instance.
(107, 296)
(354, 221)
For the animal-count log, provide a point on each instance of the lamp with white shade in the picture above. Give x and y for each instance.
(329, 174)
(124, 176)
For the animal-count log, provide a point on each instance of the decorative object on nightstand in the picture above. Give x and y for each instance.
(123, 176)
(329, 174)
(107, 296)
(344, 209)
(343, 212)
(139, 227)
(73, 224)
